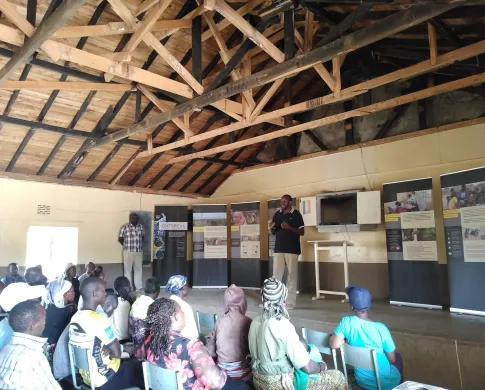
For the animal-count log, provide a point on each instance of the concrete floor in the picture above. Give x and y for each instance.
(439, 348)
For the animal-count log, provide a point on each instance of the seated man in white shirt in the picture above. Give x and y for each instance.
(23, 365)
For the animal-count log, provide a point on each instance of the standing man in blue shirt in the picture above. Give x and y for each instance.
(131, 237)
(288, 226)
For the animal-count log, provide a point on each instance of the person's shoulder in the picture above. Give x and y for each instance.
(296, 212)
(382, 327)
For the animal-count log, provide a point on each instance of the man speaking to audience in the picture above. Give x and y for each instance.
(288, 226)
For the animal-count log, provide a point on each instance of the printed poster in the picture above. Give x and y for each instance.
(210, 245)
(170, 241)
(412, 251)
(463, 200)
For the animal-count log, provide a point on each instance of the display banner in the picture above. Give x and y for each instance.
(273, 206)
(411, 243)
(245, 245)
(170, 242)
(210, 246)
(463, 197)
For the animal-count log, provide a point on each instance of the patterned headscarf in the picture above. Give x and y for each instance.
(67, 268)
(274, 297)
(55, 292)
(175, 284)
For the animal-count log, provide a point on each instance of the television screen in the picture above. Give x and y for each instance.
(339, 210)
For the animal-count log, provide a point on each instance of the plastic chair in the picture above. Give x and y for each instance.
(158, 378)
(80, 359)
(321, 340)
(205, 321)
(360, 357)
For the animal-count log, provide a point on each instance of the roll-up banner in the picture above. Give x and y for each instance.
(170, 242)
(411, 243)
(463, 197)
(273, 206)
(210, 246)
(245, 245)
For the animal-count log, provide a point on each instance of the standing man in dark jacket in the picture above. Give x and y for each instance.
(288, 226)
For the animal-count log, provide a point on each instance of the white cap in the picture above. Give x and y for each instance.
(19, 292)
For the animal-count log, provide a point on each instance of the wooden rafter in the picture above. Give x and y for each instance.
(433, 46)
(237, 20)
(93, 61)
(346, 94)
(65, 85)
(379, 30)
(412, 97)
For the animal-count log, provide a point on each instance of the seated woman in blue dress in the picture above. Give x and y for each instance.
(360, 331)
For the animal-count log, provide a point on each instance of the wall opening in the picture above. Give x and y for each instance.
(52, 247)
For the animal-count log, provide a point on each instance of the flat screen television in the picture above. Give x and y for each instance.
(339, 210)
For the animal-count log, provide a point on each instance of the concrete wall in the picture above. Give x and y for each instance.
(369, 168)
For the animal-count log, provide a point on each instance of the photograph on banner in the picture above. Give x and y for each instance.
(164, 230)
(411, 201)
(419, 244)
(465, 195)
(213, 225)
(239, 218)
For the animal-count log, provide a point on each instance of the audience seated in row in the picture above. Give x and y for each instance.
(139, 310)
(166, 347)
(13, 275)
(276, 350)
(119, 319)
(90, 329)
(228, 342)
(360, 331)
(177, 285)
(23, 365)
(89, 269)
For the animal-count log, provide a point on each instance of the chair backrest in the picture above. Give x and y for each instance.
(360, 357)
(321, 340)
(205, 322)
(158, 378)
(80, 359)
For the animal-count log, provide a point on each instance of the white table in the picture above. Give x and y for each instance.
(409, 385)
(327, 245)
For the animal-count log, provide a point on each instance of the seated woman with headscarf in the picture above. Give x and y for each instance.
(165, 347)
(177, 285)
(360, 331)
(119, 319)
(276, 350)
(228, 342)
(70, 275)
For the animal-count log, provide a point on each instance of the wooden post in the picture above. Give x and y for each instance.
(433, 46)
(197, 48)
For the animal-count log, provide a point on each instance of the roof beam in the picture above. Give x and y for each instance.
(379, 30)
(346, 94)
(65, 85)
(433, 47)
(362, 111)
(241, 24)
(93, 61)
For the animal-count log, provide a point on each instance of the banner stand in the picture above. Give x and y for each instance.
(412, 251)
(465, 311)
(245, 245)
(210, 246)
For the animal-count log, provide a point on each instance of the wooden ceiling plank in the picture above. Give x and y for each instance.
(265, 99)
(373, 33)
(10, 11)
(348, 93)
(93, 61)
(433, 46)
(241, 24)
(308, 41)
(116, 28)
(391, 103)
(143, 33)
(41, 85)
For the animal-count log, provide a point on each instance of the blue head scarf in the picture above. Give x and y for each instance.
(175, 284)
(359, 297)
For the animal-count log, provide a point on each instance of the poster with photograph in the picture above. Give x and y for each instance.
(210, 245)
(411, 241)
(245, 244)
(463, 199)
(170, 241)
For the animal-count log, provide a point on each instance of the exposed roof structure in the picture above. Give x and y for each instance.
(172, 96)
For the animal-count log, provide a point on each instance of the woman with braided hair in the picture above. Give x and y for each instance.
(119, 319)
(276, 350)
(165, 347)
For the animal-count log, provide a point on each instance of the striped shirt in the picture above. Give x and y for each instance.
(23, 365)
(132, 237)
